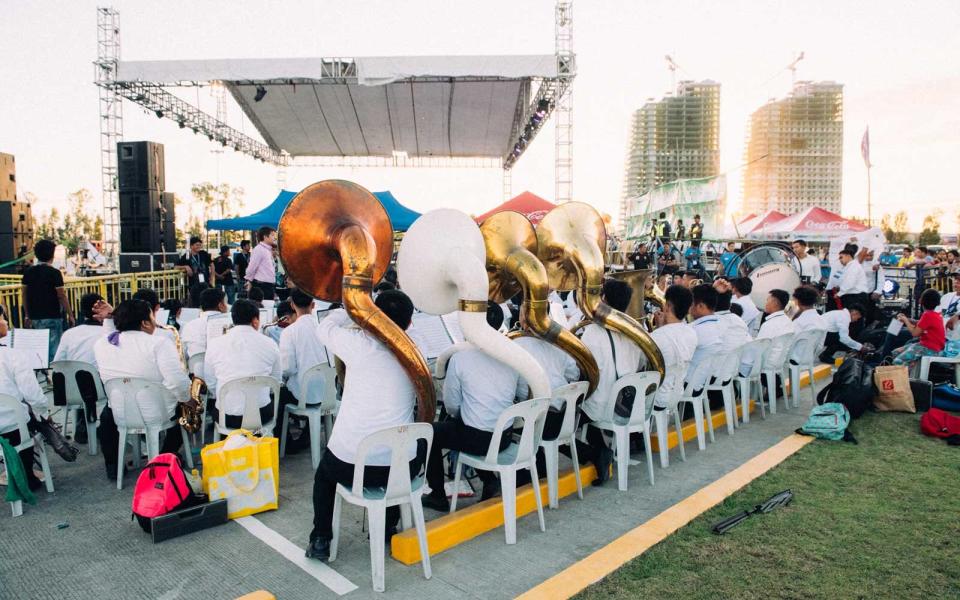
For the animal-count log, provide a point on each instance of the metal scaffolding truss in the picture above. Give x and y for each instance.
(111, 122)
(566, 71)
(399, 160)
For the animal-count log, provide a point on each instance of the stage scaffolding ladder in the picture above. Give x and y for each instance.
(111, 124)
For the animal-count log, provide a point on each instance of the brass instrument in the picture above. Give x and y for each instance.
(177, 343)
(694, 283)
(571, 238)
(336, 241)
(191, 414)
(512, 266)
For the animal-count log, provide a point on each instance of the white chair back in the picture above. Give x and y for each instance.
(319, 383)
(11, 404)
(398, 439)
(645, 384)
(134, 394)
(69, 369)
(571, 394)
(702, 372)
(757, 351)
(729, 366)
(534, 413)
(805, 346)
(675, 375)
(779, 352)
(251, 388)
(195, 364)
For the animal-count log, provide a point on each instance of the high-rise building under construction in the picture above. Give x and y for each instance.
(677, 137)
(794, 151)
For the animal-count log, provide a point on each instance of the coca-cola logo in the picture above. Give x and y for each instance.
(536, 216)
(827, 226)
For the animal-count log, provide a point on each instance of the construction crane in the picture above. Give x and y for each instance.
(793, 68)
(673, 66)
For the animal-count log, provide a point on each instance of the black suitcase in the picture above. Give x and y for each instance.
(922, 391)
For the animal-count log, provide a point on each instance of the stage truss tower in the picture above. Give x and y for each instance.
(566, 70)
(111, 123)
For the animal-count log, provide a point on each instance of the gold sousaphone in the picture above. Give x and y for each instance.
(335, 242)
(571, 238)
(512, 266)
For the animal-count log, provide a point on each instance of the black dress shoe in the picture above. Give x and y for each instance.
(112, 471)
(319, 549)
(603, 467)
(436, 502)
(491, 489)
(80, 432)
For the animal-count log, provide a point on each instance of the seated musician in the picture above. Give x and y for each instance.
(241, 352)
(299, 352)
(733, 329)
(133, 351)
(677, 342)
(286, 315)
(151, 298)
(706, 324)
(213, 301)
(377, 394)
(476, 389)
(742, 287)
(775, 324)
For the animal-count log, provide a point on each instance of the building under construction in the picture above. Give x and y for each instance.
(794, 151)
(677, 137)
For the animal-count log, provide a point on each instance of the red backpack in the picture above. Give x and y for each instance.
(938, 423)
(162, 487)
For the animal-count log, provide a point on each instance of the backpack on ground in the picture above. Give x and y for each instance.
(946, 396)
(162, 487)
(852, 386)
(828, 422)
(941, 424)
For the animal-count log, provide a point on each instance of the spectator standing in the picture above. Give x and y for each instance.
(261, 272)
(44, 297)
(242, 259)
(223, 270)
(196, 263)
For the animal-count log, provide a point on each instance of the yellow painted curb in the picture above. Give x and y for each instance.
(258, 595)
(604, 561)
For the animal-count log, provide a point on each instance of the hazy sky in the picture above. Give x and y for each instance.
(899, 63)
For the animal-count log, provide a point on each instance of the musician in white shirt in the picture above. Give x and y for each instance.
(733, 330)
(133, 351)
(706, 324)
(193, 336)
(852, 280)
(949, 309)
(775, 325)
(241, 352)
(477, 388)
(376, 394)
(837, 325)
(807, 318)
(742, 287)
(150, 297)
(809, 264)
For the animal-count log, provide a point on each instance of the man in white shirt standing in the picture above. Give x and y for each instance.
(477, 388)
(809, 264)
(193, 336)
(376, 394)
(241, 352)
(742, 287)
(949, 309)
(299, 352)
(852, 280)
(837, 325)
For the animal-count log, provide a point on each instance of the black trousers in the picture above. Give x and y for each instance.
(269, 289)
(551, 429)
(109, 437)
(332, 471)
(456, 435)
(26, 456)
(590, 452)
(266, 413)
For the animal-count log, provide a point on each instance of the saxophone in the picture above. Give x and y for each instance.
(191, 413)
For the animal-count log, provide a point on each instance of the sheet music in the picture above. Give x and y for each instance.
(268, 304)
(163, 315)
(894, 327)
(320, 305)
(429, 334)
(187, 315)
(33, 344)
(215, 325)
(452, 322)
(264, 317)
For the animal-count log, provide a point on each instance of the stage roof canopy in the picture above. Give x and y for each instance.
(423, 106)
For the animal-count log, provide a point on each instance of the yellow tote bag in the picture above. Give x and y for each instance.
(248, 475)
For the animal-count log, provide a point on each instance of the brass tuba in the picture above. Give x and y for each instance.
(512, 266)
(335, 242)
(571, 238)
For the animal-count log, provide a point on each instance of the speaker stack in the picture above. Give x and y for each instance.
(16, 218)
(148, 237)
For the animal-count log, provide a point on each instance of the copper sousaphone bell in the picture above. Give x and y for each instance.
(335, 242)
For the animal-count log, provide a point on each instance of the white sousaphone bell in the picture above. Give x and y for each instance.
(441, 265)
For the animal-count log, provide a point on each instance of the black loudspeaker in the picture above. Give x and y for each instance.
(141, 205)
(140, 262)
(8, 247)
(140, 166)
(148, 235)
(6, 217)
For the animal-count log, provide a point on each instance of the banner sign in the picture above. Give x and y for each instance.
(681, 199)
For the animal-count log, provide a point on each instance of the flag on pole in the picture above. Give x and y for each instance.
(865, 147)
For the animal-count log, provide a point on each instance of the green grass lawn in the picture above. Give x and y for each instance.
(876, 520)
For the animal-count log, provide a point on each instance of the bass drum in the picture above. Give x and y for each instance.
(770, 266)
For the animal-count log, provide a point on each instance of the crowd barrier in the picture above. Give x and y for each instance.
(113, 288)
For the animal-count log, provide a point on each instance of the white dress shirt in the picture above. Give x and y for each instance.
(77, 343)
(810, 267)
(809, 319)
(376, 394)
(709, 344)
(630, 359)
(949, 307)
(751, 314)
(300, 352)
(838, 321)
(775, 325)
(479, 388)
(19, 381)
(148, 357)
(560, 367)
(193, 335)
(677, 343)
(872, 280)
(852, 279)
(733, 331)
(241, 352)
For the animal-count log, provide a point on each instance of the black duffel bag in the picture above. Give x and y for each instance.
(852, 386)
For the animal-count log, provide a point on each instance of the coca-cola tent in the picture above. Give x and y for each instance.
(760, 223)
(813, 224)
(528, 204)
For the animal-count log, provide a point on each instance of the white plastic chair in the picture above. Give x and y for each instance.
(774, 364)
(926, 361)
(195, 364)
(804, 352)
(726, 371)
(700, 403)
(75, 405)
(11, 404)
(134, 394)
(757, 350)
(645, 383)
(516, 456)
(662, 417)
(251, 388)
(571, 394)
(320, 384)
(399, 490)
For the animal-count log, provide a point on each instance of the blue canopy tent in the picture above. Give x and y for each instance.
(400, 216)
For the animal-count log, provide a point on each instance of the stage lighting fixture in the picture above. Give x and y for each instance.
(159, 114)
(261, 92)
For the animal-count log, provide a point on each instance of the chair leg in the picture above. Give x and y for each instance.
(45, 467)
(622, 440)
(680, 441)
(729, 407)
(187, 449)
(17, 507)
(92, 448)
(698, 418)
(328, 426)
(406, 519)
(121, 451)
(552, 459)
(456, 486)
(283, 431)
(377, 518)
(417, 508)
(745, 388)
(663, 437)
(763, 410)
(535, 481)
(315, 423)
(153, 443)
(794, 385)
(508, 488)
(708, 414)
(648, 452)
(771, 380)
(335, 540)
(576, 465)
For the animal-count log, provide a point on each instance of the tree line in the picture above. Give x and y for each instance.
(895, 228)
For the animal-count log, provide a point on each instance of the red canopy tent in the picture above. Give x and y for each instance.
(761, 222)
(814, 224)
(528, 204)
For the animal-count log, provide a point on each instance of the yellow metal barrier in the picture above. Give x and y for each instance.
(114, 288)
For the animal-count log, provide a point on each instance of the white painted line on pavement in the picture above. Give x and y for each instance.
(316, 569)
